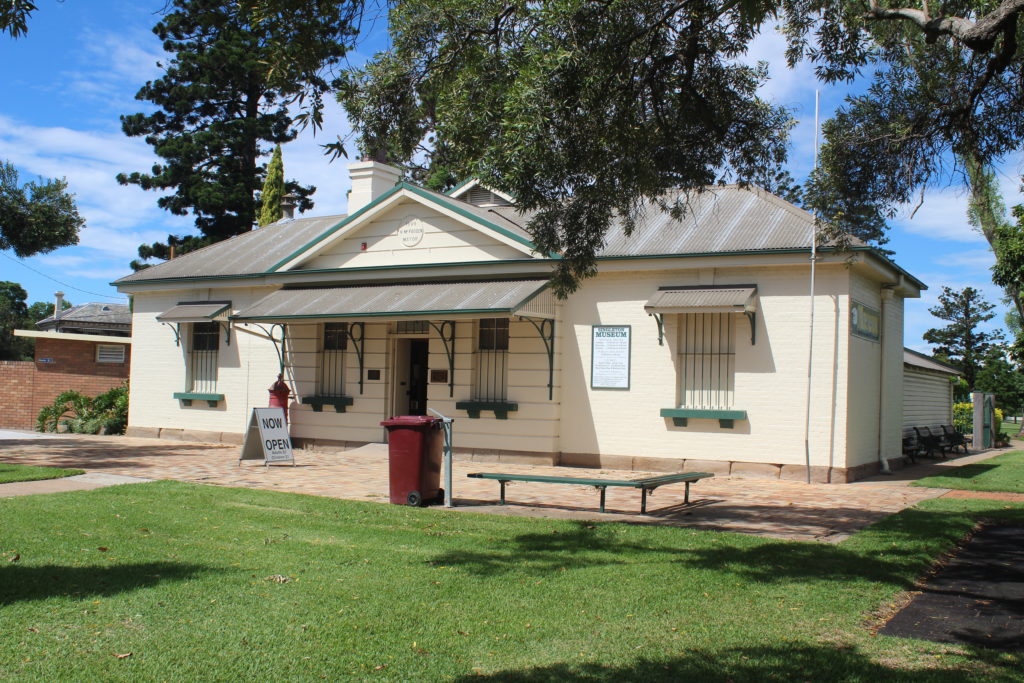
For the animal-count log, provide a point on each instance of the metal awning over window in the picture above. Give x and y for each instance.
(729, 299)
(195, 312)
(715, 299)
(447, 300)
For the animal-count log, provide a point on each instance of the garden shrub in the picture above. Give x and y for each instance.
(963, 417)
(80, 414)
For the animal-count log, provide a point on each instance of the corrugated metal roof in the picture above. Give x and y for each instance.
(721, 219)
(194, 312)
(106, 314)
(695, 299)
(247, 254)
(399, 300)
(920, 360)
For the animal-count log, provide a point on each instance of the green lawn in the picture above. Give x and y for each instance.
(10, 473)
(1002, 473)
(180, 577)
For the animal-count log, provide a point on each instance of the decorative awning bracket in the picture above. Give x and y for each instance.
(659, 318)
(279, 344)
(359, 344)
(752, 317)
(176, 329)
(546, 329)
(446, 330)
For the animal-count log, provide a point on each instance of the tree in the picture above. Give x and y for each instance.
(584, 112)
(40, 310)
(1000, 377)
(219, 101)
(12, 314)
(36, 217)
(14, 16)
(273, 190)
(960, 342)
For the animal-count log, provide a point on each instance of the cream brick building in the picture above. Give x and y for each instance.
(688, 351)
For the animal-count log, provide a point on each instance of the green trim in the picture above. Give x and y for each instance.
(339, 403)
(461, 185)
(705, 413)
(417, 266)
(187, 397)
(501, 408)
(726, 418)
(424, 194)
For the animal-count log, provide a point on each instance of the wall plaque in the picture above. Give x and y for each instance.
(609, 357)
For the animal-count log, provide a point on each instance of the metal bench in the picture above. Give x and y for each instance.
(953, 439)
(645, 485)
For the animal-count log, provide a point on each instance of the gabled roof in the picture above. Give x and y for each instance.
(721, 220)
(501, 227)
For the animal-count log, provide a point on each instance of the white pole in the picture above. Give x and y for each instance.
(810, 335)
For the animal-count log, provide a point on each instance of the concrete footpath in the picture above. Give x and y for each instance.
(81, 482)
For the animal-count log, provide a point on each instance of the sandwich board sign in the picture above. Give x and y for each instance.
(267, 437)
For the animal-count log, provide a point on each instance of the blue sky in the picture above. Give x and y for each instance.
(67, 82)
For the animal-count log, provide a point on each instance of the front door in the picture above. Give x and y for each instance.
(417, 385)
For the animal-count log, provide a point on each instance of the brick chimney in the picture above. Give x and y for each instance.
(370, 179)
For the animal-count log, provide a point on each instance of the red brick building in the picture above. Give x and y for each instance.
(90, 363)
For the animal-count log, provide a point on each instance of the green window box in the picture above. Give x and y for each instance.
(339, 403)
(726, 418)
(186, 398)
(474, 408)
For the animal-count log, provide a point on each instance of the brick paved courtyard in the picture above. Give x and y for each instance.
(784, 509)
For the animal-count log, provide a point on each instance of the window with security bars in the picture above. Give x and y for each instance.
(491, 381)
(707, 360)
(332, 360)
(202, 358)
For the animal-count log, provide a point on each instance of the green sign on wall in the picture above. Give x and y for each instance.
(865, 322)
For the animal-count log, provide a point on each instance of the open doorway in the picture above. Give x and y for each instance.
(410, 391)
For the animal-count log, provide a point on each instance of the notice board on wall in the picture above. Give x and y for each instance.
(267, 437)
(610, 357)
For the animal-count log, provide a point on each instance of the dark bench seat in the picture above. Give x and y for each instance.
(645, 485)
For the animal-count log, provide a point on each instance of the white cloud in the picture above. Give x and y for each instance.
(974, 259)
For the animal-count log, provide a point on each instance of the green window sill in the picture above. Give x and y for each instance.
(726, 418)
(339, 403)
(186, 398)
(501, 408)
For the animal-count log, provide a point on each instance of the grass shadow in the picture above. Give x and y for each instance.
(765, 663)
(968, 471)
(38, 582)
(593, 545)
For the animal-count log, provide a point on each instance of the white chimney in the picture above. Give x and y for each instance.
(58, 306)
(370, 179)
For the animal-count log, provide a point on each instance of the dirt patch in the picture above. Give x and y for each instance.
(976, 598)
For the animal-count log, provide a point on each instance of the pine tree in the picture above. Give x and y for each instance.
(217, 105)
(960, 342)
(273, 190)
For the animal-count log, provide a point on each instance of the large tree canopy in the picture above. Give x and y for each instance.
(37, 216)
(580, 110)
(220, 102)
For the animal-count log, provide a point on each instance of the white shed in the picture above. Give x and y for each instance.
(927, 390)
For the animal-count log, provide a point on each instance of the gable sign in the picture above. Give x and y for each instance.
(411, 233)
(267, 437)
(865, 322)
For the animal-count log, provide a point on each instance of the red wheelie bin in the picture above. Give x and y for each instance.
(415, 443)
